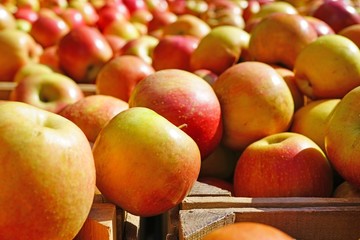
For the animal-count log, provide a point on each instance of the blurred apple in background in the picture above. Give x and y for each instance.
(48, 28)
(7, 19)
(289, 77)
(174, 51)
(219, 49)
(48, 91)
(341, 137)
(72, 17)
(193, 7)
(252, 95)
(321, 27)
(55, 167)
(167, 164)
(337, 14)
(159, 20)
(290, 31)
(141, 47)
(252, 7)
(187, 24)
(352, 32)
(207, 75)
(31, 68)
(134, 5)
(346, 190)
(110, 12)
(119, 76)
(26, 13)
(50, 58)
(284, 164)
(311, 119)
(87, 10)
(82, 52)
(17, 49)
(122, 28)
(329, 67)
(93, 112)
(185, 100)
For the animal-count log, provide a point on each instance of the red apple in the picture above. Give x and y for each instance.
(82, 52)
(134, 5)
(48, 28)
(49, 91)
(26, 13)
(321, 27)
(252, 95)
(119, 76)
(108, 13)
(337, 14)
(72, 17)
(48, 186)
(87, 10)
(209, 76)
(159, 20)
(50, 58)
(93, 112)
(284, 164)
(174, 51)
(141, 139)
(185, 100)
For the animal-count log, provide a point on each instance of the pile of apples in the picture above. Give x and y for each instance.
(260, 97)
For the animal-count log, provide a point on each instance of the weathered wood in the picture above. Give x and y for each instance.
(100, 224)
(202, 189)
(131, 227)
(307, 223)
(237, 202)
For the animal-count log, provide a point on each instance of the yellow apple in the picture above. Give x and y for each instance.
(329, 67)
(311, 119)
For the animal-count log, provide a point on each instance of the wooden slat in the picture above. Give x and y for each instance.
(308, 223)
(237, 202)
(202, 189)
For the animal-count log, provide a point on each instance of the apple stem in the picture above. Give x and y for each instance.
(184, 125)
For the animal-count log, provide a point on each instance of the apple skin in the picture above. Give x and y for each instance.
(17, 49)
(346, 190)
(311, 119)
(82, 52)
(317, 62)
(290, 31)
(30, 69)
(184, 99)
(93, 112)
(108, 13)
(72, 17)
(247, 231)
(291, 159)
(174, 51)
(219, 49)
(150, 181)
(123, 28)
(48, 91)
(352, 32)
(48, 28)
(252, 95)
(321, 27)
(26, 13)
(7, 19)
(341, 141)
(337, 14)
(54, 168)
(119, 76)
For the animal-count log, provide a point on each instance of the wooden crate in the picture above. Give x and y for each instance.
(108, 222)
(302, 218)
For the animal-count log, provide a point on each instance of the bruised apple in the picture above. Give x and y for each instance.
(47, 174)
(283, 164)
(186, 100)
(144, 163)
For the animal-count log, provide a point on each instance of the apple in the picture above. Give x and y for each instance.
(49, 91)
(144, 163)
(311, 119)
(187, 24)
(346, 190)
(252, 95)
(352, 32)
(32, 4)
(289, 77)
(116, 43)
(290, 31)
(321, 27)
(142, 47)
(119, 76)
(72, 17)
(26, 13)
(7, 19)
(48, 186)
(50, 58)
(252, 7)
(31, 68)
(220, 49)
(134, 5)
(122, 28)
(17, 49)
(247, 231)
(341, 139)
(108, 13)
(174, 51)
(332, 57)
(193, 7)
(220, 164)
(88, 11)
(48, 28)
(185, 100)
(207, 75)
(159, 20)
(93, 112)
(284, 164)
(337, 14)
(142, 16)
(82, 52)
